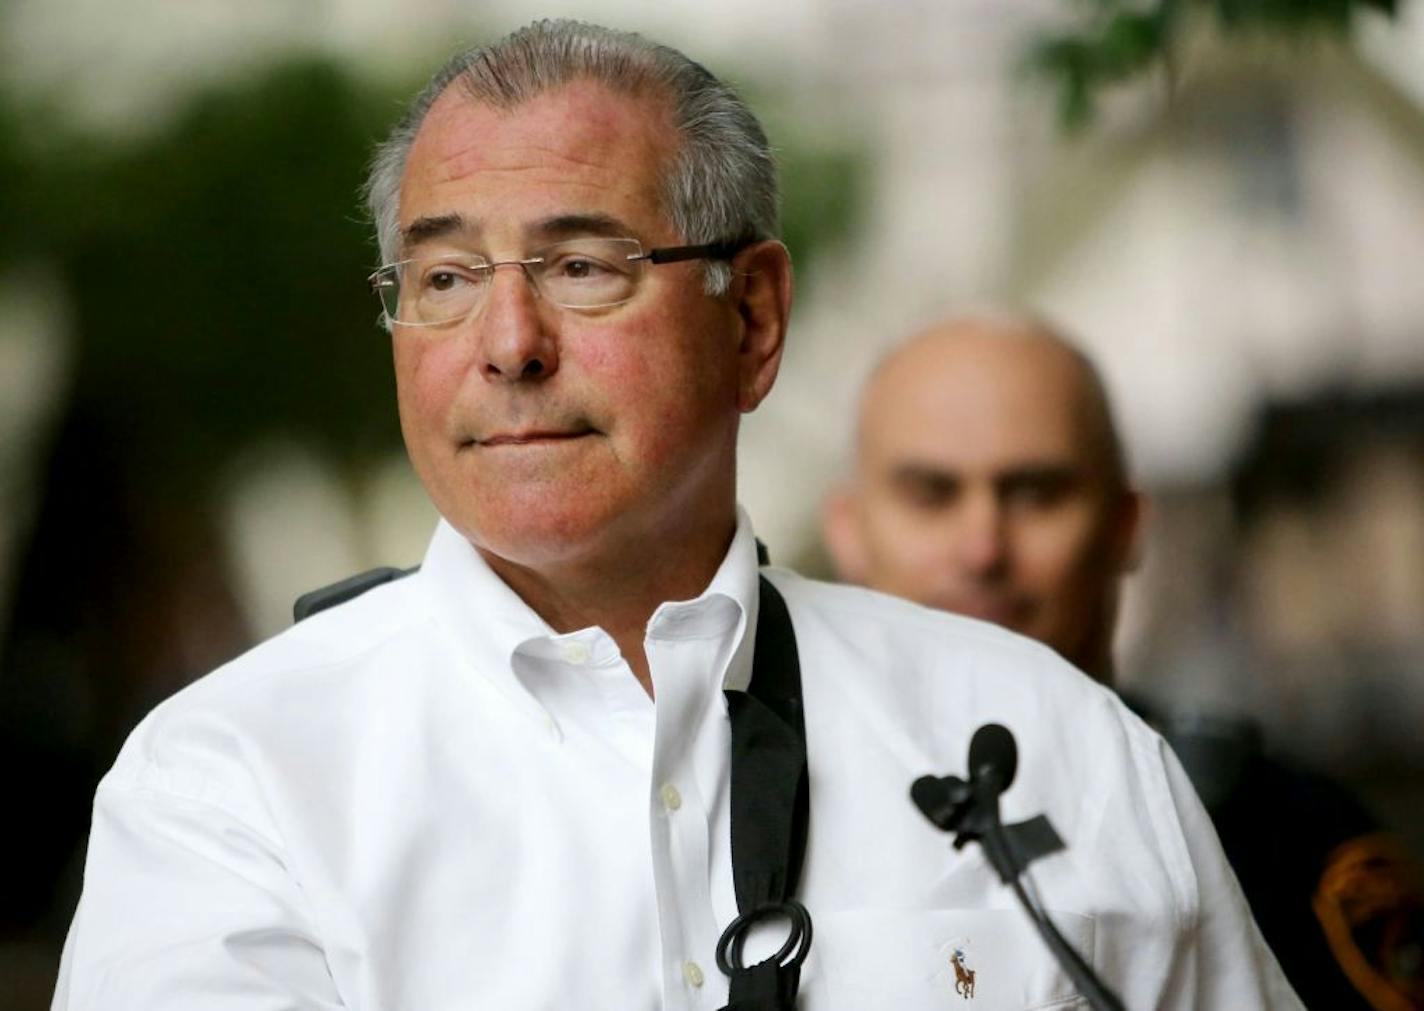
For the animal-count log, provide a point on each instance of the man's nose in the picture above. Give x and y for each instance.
(981, 542)
(516, 340)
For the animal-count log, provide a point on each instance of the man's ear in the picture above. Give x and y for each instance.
(841, 531)
(761, 289)
(1127, 530)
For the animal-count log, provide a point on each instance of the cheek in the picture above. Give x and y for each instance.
(1059, 551)
(908, 547)
(600, 354)
(610, 379)
(429, 368)
(668, 383)
(427, 376)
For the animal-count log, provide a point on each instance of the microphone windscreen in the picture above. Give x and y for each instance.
(992, 748)
(936, 798)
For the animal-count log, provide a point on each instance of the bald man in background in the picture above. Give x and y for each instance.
(989, 480)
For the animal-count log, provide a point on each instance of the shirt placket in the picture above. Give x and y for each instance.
(687, 658)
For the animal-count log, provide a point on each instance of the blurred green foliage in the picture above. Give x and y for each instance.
(1114, 41)
(824, 179)
(823, 192)
(214, 270)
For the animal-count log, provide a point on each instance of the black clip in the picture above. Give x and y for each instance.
(771, 984)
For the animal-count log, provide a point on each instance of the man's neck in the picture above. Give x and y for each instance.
(618, 590)
(1096, 660)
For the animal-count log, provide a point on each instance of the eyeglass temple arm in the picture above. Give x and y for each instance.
(723, 250)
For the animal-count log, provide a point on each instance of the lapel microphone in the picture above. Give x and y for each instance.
(970, 809)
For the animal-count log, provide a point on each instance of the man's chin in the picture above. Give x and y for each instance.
(534, 535)
(1012, 615)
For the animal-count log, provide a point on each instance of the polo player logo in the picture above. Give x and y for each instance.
(963, 976)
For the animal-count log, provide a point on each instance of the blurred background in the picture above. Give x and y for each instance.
(1223, 201)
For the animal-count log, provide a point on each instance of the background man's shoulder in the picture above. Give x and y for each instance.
(924, 638)
(936, 676)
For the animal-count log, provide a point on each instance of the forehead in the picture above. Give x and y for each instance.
(579, 147)
(980, 407)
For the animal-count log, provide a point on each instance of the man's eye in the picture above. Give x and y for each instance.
(580, 268)
(442, 280)
(1037, 493)
(926, 491)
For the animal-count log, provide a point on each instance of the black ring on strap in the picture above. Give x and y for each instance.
(729, 947)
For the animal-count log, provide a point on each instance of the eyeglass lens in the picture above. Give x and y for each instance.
(580, 273)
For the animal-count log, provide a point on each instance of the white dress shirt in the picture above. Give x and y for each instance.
(425, 800)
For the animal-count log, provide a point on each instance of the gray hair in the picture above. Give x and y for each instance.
(722, 183)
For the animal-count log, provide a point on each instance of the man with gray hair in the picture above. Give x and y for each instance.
(593, 753)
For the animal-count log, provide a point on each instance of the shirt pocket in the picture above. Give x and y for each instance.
(912, 959)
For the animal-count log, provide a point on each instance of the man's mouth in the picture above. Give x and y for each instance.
(530, 437)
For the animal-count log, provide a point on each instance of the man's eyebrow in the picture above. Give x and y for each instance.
(1040, 477)
(911, 472)
(426, 229)
(567, 226)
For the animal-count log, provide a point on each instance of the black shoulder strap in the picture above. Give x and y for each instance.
(347, 589)
(770, 811)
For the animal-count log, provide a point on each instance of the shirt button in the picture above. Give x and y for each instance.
(672, 800)
(692, 972)
(574, 652)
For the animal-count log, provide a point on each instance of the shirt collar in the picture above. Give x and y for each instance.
(480, 615)
(731, 597)
(488, 621)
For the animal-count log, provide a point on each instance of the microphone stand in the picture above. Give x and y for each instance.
(971, 811)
